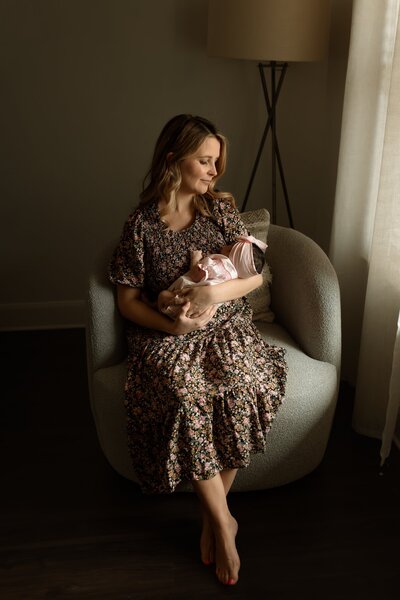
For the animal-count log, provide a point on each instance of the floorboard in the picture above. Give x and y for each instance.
(71, 528)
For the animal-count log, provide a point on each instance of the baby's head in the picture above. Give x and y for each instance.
(247, 255)
(259, 258)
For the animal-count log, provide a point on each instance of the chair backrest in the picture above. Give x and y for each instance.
(305, 293)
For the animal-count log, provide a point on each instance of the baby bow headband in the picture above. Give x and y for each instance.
(242, 255)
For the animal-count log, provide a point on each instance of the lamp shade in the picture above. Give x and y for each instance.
(264, 30)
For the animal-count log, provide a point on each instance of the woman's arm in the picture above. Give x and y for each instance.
(201, 297)
(234, 288)
(133, 308)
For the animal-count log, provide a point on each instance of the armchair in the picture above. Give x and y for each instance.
(306, 303)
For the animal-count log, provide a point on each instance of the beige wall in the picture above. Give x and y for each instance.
(87, 86)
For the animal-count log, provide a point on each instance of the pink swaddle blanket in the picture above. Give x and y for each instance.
(217, 268)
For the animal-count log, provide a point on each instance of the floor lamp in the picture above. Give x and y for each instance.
(274, 33)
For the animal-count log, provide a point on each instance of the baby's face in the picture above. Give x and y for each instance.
(226, 250)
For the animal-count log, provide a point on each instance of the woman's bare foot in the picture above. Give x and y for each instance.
(219, 527)
(207, 541)
(227, 557)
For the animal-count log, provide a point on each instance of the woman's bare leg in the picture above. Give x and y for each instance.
(207, 538)
(228, 477)
(219, 526)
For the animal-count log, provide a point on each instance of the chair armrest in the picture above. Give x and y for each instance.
(305, 294)
(105, 335)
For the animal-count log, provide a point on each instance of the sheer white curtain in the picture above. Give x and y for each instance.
(365, 243)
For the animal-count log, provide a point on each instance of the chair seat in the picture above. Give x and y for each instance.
(306, 413)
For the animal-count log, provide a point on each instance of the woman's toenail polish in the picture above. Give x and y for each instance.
(231, 582)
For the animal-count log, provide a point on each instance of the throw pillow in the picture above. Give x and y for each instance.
(257, 224)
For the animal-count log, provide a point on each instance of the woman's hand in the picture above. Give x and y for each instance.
(132, 307)
(199, 298)
(167, 298)
(184, 324)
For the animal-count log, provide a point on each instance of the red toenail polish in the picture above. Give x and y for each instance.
(231, 582)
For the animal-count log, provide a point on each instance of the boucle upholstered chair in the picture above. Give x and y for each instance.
(305, 302)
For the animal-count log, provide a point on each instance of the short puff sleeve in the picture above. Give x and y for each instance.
(127, 263)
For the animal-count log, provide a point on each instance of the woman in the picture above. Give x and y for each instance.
(203, 389)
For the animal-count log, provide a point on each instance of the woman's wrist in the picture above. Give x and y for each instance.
(209, 294)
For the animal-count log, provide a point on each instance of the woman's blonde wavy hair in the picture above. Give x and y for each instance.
(179, 139)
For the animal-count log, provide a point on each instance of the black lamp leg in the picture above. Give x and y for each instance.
(272, 110)
(271, 124)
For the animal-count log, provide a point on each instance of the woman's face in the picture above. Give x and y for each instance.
(198, 170)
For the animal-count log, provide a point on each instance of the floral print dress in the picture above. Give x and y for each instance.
(204, 401)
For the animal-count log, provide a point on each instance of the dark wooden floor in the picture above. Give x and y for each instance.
(72, 528)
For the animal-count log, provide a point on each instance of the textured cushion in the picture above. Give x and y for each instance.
(303, 422)
(257, 224)
(292, 445)
(110, 417)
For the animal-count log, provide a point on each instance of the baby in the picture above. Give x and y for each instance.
(242, 259)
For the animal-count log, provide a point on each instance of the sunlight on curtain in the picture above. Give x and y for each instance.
(365, 243)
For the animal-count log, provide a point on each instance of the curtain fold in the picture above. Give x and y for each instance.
(394, 400)
(365, 242)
